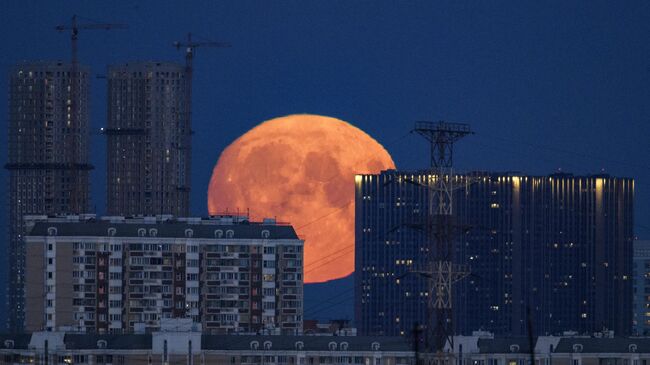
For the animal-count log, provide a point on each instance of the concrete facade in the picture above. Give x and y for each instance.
(125, 275)
(148, 140)
(193, 348)
(48, 163)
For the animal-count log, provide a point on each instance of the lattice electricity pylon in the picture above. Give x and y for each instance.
(441, 272)
(441, 137)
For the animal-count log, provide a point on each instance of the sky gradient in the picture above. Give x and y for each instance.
(545, 85)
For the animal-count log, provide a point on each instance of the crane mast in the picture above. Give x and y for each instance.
(190, 47)
(74, 136)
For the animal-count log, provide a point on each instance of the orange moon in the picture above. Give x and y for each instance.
(300, 169)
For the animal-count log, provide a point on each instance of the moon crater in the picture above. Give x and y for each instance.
(300, 169)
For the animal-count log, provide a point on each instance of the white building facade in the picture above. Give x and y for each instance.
(125, 275)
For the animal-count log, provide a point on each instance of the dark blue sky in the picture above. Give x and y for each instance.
(545, 85)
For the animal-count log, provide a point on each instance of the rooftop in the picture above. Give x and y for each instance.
(165, 226)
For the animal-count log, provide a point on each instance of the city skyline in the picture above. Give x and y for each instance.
(504, 72)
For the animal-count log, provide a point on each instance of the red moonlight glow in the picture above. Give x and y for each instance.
(300, 169)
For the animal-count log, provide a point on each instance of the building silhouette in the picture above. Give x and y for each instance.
(148, 140)
(190, 346)
(124, 275)
(641, 320)
(558, 247)
(183, 345)
(48, 157)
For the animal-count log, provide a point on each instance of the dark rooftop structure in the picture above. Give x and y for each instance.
(122, 342)
(307, 343)
(501, 345)
(604, 345)
(165, 226)
(20, 341)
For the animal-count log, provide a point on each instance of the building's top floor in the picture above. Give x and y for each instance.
(500, 174)
(337, 327)
(163, 226)
(177, 342)
(549, 345)
(38, 69)
(135, 69)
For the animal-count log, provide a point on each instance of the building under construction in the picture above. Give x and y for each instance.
(48, 156)
(558, 247)
(148, 140)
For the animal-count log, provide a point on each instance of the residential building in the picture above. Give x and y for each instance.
(148, 140)
(641, 282)
(116, 274)
(190, 347)
(336, 327)
(554, 249)
(570, 349)
(48, 159)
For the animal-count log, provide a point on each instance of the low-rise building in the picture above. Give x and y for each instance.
(598, 349)
(335, 327)
(194, 348)
(124, 275)
(188, 346)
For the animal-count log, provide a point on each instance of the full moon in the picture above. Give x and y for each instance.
(300, 169)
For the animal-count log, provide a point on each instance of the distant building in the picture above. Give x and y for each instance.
(192, 347)
(47, 157)
(148, 140)
(336, 327)
(560, 245)
(597, 348)
(641, 319)
(115, 274)
(176, 347)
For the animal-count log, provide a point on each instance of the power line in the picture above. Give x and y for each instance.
(330, 255)
(637, 225)
(329, 300)
(311, 313)
(342, 253)
(319, 308)
(398, 139)
(326, 215)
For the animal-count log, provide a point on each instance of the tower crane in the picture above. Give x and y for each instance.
(75, 27)
(190, 46)
(73, 137)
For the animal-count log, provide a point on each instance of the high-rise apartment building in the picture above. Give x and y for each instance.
(641, 266)
(117, 274)
(48, 157)
(558, 247)
(148, 140)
